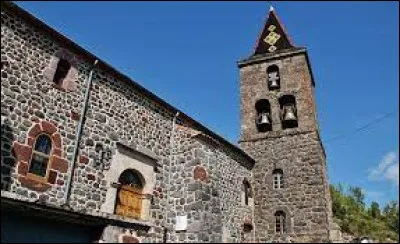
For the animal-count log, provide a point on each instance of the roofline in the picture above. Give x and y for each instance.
(108, 68)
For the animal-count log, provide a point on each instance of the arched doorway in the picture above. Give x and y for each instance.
(130, 194)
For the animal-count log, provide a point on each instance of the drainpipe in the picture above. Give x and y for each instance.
(78, 134)
(172, 142)
(252, 217)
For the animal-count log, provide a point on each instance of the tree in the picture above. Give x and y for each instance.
(355, 218)
(374, 211)
(358, 195)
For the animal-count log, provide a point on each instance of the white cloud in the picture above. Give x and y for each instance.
(387, 169)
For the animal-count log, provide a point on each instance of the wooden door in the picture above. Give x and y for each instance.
(129, 202)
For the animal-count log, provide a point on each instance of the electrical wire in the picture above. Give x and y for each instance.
(363, 127)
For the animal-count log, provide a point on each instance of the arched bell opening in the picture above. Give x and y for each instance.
(274, 79)
(288, 111)
(263, 118)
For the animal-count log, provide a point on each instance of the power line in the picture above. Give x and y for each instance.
(362, 127)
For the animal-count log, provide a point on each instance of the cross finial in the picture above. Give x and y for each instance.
(271, 8)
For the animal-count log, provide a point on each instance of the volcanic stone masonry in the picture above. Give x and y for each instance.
(191, 185)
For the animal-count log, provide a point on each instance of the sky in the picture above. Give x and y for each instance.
(186, 53)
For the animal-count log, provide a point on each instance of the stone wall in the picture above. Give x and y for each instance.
(303, 197)
(207, 185)
(118, 112)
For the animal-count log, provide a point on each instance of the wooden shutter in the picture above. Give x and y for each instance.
(129, 202)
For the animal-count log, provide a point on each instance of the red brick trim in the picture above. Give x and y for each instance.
(56, 140)
(23, 154)
(22, 168)
(129, 239)
(35, 131)
(83, 159)
(48, 127)
(33, 184)
(200, 173)
(59, 164)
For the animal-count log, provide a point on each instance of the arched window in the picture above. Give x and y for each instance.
(247, 192)
(274, 80)
(278, 179)
(62, 70)
(288, 111)
(40, 156)
(280, 222)
(263, 118)
(130, 195)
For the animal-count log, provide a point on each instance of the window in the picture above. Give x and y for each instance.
(41, 156)
(130, 195)
(280, 219)
(278, 179)
(263, 118)
(62, 70)
(274, 80)
(247, 192)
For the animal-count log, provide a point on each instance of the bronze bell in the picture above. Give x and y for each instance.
(273, 80)
(274, 84)
(263, 119)
(289, 113)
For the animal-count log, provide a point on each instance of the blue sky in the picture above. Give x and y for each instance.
(186, 53)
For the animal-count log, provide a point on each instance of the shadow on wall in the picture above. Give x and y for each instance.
(7, 158)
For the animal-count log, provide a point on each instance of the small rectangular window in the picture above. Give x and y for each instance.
(62, 70)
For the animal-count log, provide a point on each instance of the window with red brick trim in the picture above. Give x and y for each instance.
(41, 155)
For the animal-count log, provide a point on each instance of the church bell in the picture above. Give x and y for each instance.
(273, 80)
(289, 113)
(263, 119)
(274, 84)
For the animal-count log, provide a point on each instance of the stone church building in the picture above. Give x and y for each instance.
(89, 155)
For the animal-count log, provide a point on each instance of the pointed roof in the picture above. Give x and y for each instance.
(273, 37)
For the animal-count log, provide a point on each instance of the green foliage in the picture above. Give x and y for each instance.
(355, 218)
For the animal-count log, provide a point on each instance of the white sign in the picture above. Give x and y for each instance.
(181, 223)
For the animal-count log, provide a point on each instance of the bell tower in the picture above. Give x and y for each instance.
(279, 128)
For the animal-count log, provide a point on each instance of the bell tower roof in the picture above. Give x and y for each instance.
(273, 37)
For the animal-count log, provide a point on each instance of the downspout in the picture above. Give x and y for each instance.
(78, 134)
(252, 217)
(172, 142)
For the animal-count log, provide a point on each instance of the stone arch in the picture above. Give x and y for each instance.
(57, 164)
(289, 221)
(129, 159)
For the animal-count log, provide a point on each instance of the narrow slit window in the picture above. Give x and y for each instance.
(247, 192)
(278, 179)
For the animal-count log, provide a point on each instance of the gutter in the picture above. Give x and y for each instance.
(78, 134)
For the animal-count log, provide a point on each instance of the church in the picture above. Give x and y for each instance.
(89, 155)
